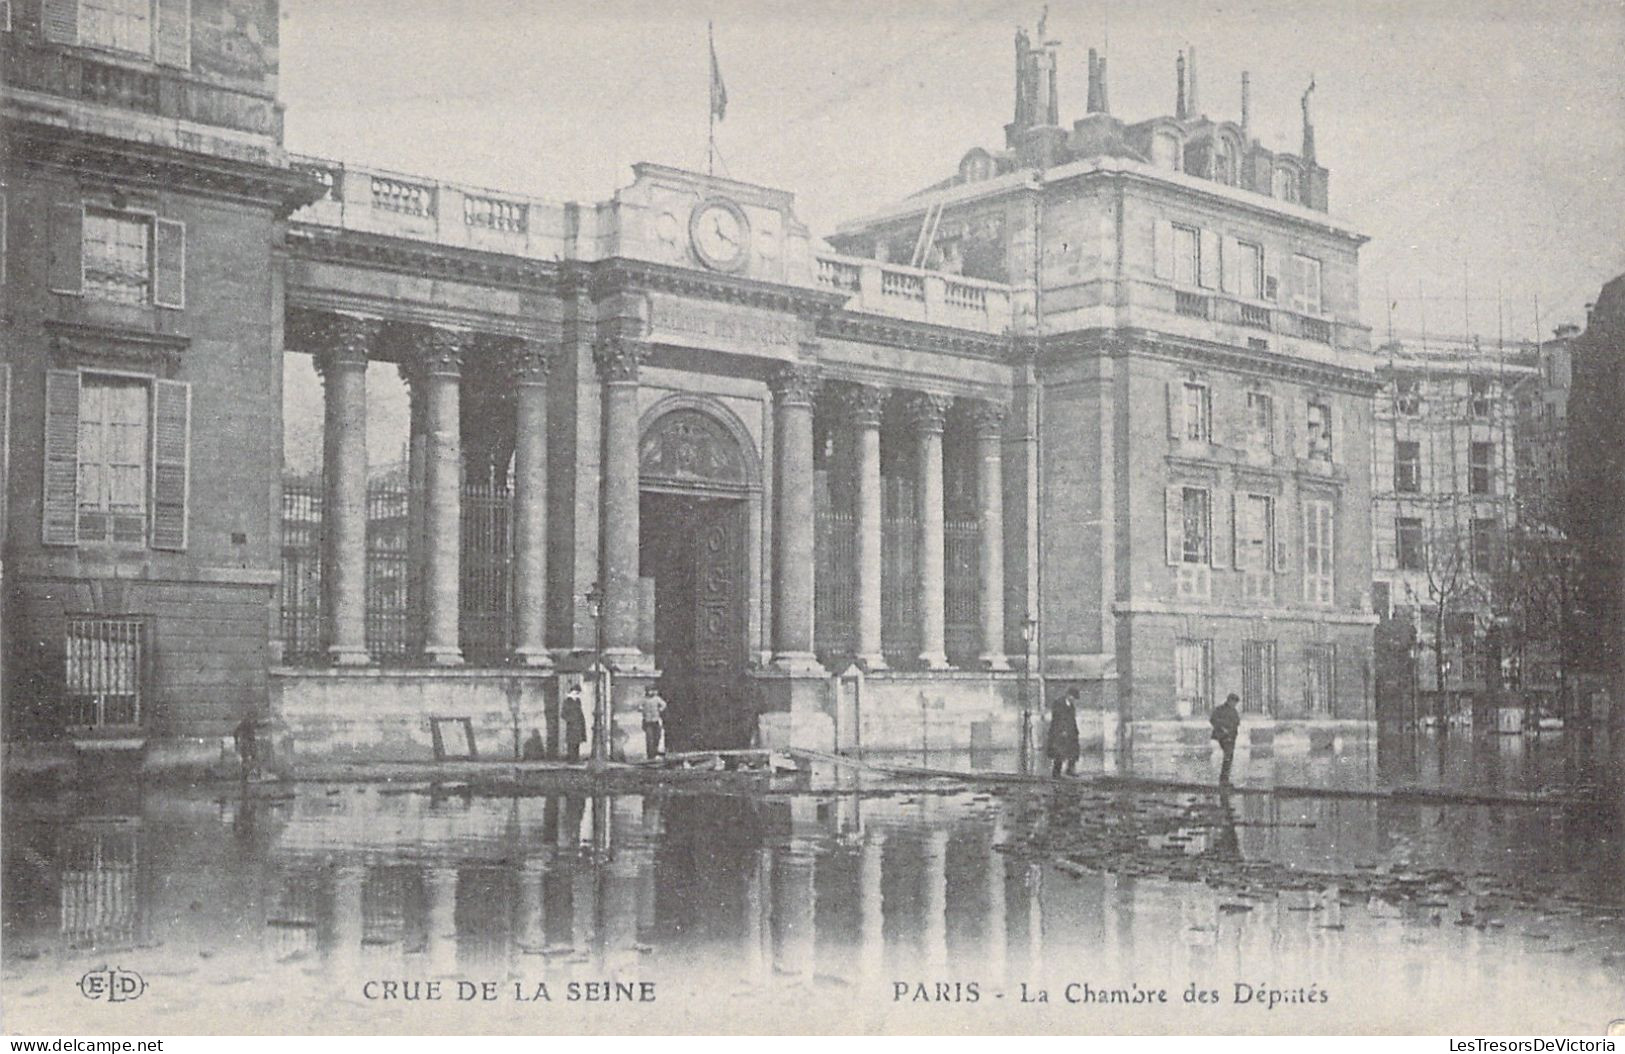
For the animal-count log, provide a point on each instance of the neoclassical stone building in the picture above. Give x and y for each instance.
(1094, 413)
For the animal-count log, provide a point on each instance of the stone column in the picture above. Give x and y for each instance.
(532, 936)
(990, 515)
(443, 524)
(341, 358)
(793, 389)
(348, 922)
(529, 365)
(929, 412)
(997, 923)
(618, 361)
(794, 911)
(417, 477)
(864, 417)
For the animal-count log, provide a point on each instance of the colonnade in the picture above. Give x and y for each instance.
(432, 360)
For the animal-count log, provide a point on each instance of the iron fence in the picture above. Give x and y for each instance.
(100, 898)
(394, 616)
(836, 578)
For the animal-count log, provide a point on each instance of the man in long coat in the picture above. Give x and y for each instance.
(575, 724)
(1061, 744)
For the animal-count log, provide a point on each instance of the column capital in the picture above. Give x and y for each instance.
(929, 411)
(865, 404)
(618, 359)
(432, 351)
(342, 341)
(794, 384)
(528, 361)
(989, 418)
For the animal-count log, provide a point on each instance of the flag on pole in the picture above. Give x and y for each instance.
(719, 93)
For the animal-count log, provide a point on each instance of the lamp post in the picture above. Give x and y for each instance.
(600, 705)
(1029, 634)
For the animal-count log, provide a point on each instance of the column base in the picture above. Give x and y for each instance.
(934, 660)
(994, 661)
(628, 661)
(442, 655)
(534, 658)
(797, 662)
(871, 663)
(348, 655)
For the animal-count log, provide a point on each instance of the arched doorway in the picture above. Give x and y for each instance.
(698, 477)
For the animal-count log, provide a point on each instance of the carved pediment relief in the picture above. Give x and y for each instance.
(689, 446)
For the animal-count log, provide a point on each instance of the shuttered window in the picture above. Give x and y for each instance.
(123, 25)
(117, 257)
(1187, 255)
(1306, 284)
(123, 257)
(113, 418)
(117, 453)
(1319, 553)
(1255, 545)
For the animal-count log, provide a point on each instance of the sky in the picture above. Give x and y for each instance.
(1481, 145)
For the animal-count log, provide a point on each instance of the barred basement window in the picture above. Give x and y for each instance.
(1320, 680)
(1258, 677)
(1193, 677)
(104, 662)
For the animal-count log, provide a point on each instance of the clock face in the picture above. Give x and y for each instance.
(720, 234)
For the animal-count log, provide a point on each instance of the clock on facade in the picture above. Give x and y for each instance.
(720, 234)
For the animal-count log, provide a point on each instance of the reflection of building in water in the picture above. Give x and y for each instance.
(299, 906)
(100, 890)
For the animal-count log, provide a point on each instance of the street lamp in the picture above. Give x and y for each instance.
(600, 720)
(1029, 635)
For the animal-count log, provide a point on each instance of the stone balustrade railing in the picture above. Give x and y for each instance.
(917, 294)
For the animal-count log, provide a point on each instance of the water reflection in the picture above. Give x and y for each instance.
(837, 896)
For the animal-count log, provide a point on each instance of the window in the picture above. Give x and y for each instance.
(103, 659)
(112, 460)
(1198, 412)
(118, 256)
(1249, 270)
(1408, 540)
(1479, 392)
(1165, 151)
(1193, 681)
(1285, 184)
(1319, 553)
(1255, 545)
(1224, 161)
(1306, 284)
(116, 460)
(125, 25)
(1483, 532)
(1319, 446)
(1320, 679)
(1260, 421)
(1258, 677)
(1195, 521)
(1408, 395)
(1479, 461)
(1407, 466)
(1187, 255)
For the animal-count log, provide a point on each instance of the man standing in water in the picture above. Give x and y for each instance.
(1226, 722)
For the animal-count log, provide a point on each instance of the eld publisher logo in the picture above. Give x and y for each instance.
(115, 985)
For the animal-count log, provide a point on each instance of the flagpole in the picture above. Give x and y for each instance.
(710, 103)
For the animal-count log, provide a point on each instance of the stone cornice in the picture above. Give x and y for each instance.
(915, 336)
(615, 276)
(1068, 347)
(74, 343)
(419, 258)
(147, 164)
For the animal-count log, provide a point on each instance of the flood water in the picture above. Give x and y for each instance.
(315, 908)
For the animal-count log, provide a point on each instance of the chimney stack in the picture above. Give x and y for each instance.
(1179, 100)
(1246, 105)
(1100, 72)
(1191, 106)
(1097, 82)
